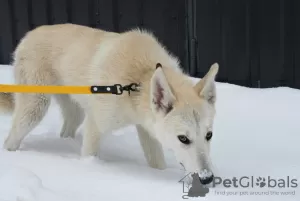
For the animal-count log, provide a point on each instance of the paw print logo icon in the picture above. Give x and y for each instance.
(261, 182)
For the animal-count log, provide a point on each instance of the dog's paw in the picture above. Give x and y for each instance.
(160, 165)
(67, 133)
(11, 145)
(88, 152)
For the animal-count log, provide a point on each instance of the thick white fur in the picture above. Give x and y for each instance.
(169, 104)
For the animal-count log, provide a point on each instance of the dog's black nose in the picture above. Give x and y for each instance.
(206, 180)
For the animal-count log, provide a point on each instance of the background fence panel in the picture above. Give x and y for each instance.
(255, 42)
(20, 18)
(38, 13)
(296, 42)
(6, 31)
(59, 12)
(80, 13)
(166, 18)
(130, 16)
(235, 42)
(271, 42)
(289, 43)
(208, 29)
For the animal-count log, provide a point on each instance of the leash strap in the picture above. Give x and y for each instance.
(116, 89)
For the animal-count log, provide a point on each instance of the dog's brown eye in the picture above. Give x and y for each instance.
(183, 139)
(208, 135)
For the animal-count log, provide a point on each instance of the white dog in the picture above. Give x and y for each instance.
(169, 110)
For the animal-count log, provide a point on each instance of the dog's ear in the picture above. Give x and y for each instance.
(206, 87)
(162, 98)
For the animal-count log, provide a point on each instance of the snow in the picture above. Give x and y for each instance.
(256, 133)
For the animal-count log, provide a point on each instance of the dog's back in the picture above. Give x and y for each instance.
(53, 48)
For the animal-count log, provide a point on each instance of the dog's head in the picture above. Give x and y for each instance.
(184, 121)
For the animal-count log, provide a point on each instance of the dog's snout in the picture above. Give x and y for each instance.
(206, 179)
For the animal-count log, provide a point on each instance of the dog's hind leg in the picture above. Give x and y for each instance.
(29, 111)
(30, 108)
(72, 113)
(153, 151)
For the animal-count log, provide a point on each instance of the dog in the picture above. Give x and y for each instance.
(168, 111)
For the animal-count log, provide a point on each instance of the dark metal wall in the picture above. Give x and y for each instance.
(256, 42)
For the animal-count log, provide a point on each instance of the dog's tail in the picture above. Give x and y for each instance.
(7, 103)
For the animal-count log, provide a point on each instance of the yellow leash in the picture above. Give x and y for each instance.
(45, 89)
(113, 89)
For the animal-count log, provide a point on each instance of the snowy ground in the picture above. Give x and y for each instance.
(256, 134)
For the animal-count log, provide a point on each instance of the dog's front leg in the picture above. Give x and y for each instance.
(91, 137)
(152, 149)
